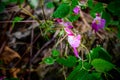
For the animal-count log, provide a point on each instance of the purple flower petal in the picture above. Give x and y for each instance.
(78, 37)
(68, 31)
(68, 24)
(98, 23)
(94, 27)
(74, 41)
(76, 10)
(103, 23)
(76, 52)
(60, 21)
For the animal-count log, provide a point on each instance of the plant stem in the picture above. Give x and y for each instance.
(87, 52)
(58, 42)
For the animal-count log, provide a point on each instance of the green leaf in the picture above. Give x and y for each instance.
(50, 5)
(4, 2)
(100, 52)
(106, 16)
(74, 3)
(101, 65)
(87, 65)
(13, 1)
(89, 76)
(90, 4)
(34, 3)
(115, 23)
(73, 18)
(118, 34)
(96, 75)
(62, 11)
(20, 1)
(1, 62)
(55, 52)
(69, 62)
(17, 19)
(75, 71)
(49, 60)
(66, 1)
(114, 7)
(79, 73)
(2, 7)
(98, 8)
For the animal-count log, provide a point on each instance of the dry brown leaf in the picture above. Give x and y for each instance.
(8, 55)
(14, 72)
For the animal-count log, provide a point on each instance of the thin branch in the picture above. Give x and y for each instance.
(36, 38)
(84, 20)
(99, 35)
(35, 18)
(2, 47)
(31, 50)
(45, 45)
(43, 12)
(60, 41)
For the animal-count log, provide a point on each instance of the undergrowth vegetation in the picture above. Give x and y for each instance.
(59, 40)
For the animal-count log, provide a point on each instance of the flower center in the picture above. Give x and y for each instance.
(97, 21)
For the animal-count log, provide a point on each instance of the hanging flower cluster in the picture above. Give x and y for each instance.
(98, 23)
(73, 40)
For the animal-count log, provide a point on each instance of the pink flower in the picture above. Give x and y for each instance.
(76, 52)
(76, 10)
(98, 23)
(74, 41)
(68, 24)
(60, 21)
(68, 31)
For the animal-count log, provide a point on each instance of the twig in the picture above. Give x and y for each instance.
(45, 45)
(84, 20)
(43, 12)
(36, 38)
(87, 52)
(30, 14)
(64, 74)
(35, 18)
(60, 41)
(66, 49)
(99, 35)
(5, 42)
(2, 47)
(31, 50)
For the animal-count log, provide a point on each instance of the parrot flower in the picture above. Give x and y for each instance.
(98, 23)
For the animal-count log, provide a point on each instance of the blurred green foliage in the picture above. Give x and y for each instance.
(102, 65)
(70, 61)
(62, 11)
